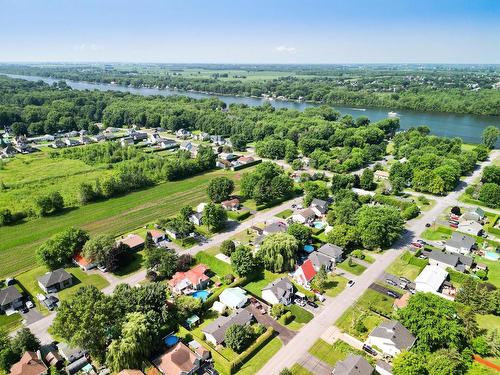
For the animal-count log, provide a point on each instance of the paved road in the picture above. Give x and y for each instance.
(40, 327)
(299, 345)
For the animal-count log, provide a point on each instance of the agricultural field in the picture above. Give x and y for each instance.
(114, 216)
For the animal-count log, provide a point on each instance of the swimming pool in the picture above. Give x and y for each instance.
(308, 248)
(319, 225)
(171, 340)
(201, 294)
(491, 255)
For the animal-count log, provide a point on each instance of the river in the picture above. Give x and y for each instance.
(468, 127)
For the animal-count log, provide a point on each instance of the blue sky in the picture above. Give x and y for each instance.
(252, 31)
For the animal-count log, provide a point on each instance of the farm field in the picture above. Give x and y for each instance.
(114, 216)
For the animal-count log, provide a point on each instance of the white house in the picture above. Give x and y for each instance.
(196, 218)
(233, 297)
(305, 216)
(478, 215)
(305, 273)
(460, 243)
(470, 227)
(391, 337)
(278, 291)
(319, 207)
(430, 279)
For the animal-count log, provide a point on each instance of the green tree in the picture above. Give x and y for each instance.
(446, 362)
(490, 194)
(60, 248)
(243, 261)
(366, 179)
(301, 233)
(227, 247)
(187, 306)
(162, 261)
(135, 344)
(238, 337)
(278, 252)
(277, 310)
(99, 249)
(214, 217)
(343, 235)
(314, 190)
(320, 280)
(220, 188)
(379, 226)
(24, 341)
(490, 136)
(409, 363)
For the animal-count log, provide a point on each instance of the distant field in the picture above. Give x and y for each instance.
(115, 216)
(235, 74)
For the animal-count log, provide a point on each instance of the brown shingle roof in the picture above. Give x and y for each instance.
(29, 364)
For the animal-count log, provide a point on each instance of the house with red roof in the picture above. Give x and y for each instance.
(194, 279)
(305, 273)
(157, 236)
(83, 262)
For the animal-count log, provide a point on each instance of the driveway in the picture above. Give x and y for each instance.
(32, 316)
(284, 333)
(383, 290)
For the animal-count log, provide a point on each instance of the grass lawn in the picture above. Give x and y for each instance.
(10, 323)
(439, 233)
(480, 369)
(255, 287)
(331, 354)
(135, 263)
(335, 285)
(114, 216)
(493, 270)
(301, 317)
(258, 360)
(354, 268)
(488, 321)
(216, 266)
(402, 268)
(299, 370)
(284, 214)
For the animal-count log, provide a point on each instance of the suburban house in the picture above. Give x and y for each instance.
(305, 273)
(333, 251)
(319, 207)
(319, 260)
(430, 279)
(127, 141)
(279, 291)
(353, 365)
(304, 217)
(138, 136)
(157, 236)
(217, 139)
(234, 298)
(231, 204)
(196, 218)
(58, 144)
(10, 299)
(133, 241)
(56, 280)
(71, 142)
(243, 160)
(381, 175)
(178, 360)
(471, 227)
(460, 243)
(229, 156)
(391, 337)
(29, 364)
(444, 260)
(83, 262)
(166, 144)
(215, 331)
(183, 134)
(188, 146)
(8, 151)
(383, 368)
(276, 227)
(477, 215)
(84, 140)
(194, 279)
(203, 136)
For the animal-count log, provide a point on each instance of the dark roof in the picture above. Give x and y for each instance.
(320, 204)
(276, 227)
(443, 257)
(281, 288)
(396, 332)
(331, 250)
(9, 295)
(384, 365)
(54, 277)
(459, 240)
(220, 325)
(353, 365)
(319, 260)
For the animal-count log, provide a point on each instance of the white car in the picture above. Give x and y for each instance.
(40, 297)
(30, 304)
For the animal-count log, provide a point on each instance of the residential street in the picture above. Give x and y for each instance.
(300, 344)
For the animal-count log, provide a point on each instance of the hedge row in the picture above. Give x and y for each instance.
(490, 228)
(410, 259)
(391, 201)
(457, 277)
(238, 215)
(256, 346)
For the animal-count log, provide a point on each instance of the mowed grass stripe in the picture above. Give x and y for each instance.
(18, 243)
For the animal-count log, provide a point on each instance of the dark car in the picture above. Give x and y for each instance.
(369, 350)
(404, 279)
(350, 283)
(312, 304)
(391, 282)
(427, 225)
(392, 294)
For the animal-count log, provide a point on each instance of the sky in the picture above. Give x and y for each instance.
(251, 31)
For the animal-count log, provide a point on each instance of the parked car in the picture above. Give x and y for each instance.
(412, 291)
(454, 226)
(391, 282)
(404, 279)
(369, 350)
(102, 268)
(403, 285)
(312, 304)
(427, 225)
(350, 283)
(418, 245)
(30, 304)
(422, 242)
(392, 294)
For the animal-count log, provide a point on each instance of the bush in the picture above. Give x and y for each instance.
(227, 247)
(482, 274)
(358, 254)
(238, 337)
(256, 346)
(228, 279)
(410, 212)
(286, 318)
(278, 310)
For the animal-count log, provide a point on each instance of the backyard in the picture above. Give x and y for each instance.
(217, 266)
(401, 267)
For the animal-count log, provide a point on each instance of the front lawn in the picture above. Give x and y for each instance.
(80, 278)
(299, 370)
(217, 266)
(135, 262)
(493, 270)
(354, 268)
(301, 317)
(401, 268)
(10, 323)
(284, 214)
(331, 354)
(335, 285)
(258, 360)
(439, 233)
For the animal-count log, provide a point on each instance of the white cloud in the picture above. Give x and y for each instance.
(87, 47)
(285, 49)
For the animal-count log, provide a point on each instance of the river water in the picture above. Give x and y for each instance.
(467, 127)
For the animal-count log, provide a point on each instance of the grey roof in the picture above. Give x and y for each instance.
(393, 330)
(319, 260)
(281, 288)
(384, 365)
(465, 259)
(54, 277)
(276, 227)
(320, 204)
(480, 212)
(353, 365)
(454, 260)
(9, 295)
(220, 325)
(331, 250)
(459, 240)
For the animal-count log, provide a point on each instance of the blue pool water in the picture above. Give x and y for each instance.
(201, 294)
(491, 255)
(171, 340)
(308, 248)
(319, 225)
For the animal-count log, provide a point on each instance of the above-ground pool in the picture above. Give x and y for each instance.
(171, 340)
(319, 225)
(308, 248)
(491, 255)
(201, 294)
